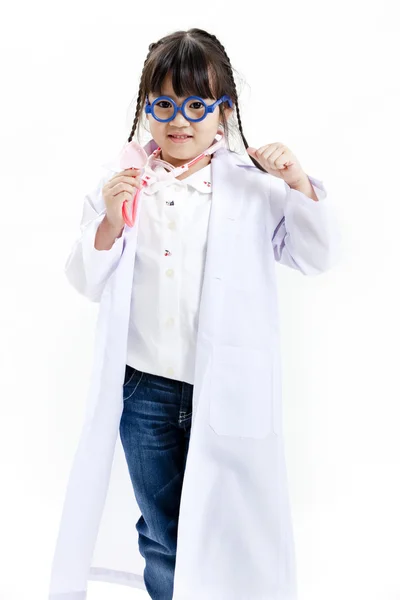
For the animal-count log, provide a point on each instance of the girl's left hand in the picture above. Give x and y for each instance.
(279, 161)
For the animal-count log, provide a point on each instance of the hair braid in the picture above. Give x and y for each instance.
(235, 100)
(139, 98)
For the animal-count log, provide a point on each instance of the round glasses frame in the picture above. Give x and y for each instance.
(149, 108)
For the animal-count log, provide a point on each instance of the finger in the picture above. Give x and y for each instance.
(125, 186)
(131, 172)
(285, 160)
(264, 152)
(271, 148)
(135, 181)
(126, 179)
(262, 149)
(258, 151)
(278, 157)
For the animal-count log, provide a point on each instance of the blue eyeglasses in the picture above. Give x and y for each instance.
(164, 109)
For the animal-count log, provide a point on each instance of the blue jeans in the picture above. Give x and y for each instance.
(155, 430)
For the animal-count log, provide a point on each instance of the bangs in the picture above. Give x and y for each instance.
(189, 68)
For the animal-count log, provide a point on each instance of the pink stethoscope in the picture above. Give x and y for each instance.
(134, 156)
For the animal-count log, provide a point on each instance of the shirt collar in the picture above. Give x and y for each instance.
(199, 180)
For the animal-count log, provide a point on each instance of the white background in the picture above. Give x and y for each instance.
(322, 79)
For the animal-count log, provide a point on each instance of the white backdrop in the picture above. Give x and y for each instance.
(324, 81)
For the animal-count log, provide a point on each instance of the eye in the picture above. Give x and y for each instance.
(164, 104)
(196, 105)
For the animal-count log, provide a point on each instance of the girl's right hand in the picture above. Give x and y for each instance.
(121, 187)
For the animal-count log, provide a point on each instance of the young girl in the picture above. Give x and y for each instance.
(187, 362)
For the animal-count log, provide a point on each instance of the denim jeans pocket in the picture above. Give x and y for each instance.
(131, 382)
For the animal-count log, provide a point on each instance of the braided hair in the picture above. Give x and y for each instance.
(192, 57)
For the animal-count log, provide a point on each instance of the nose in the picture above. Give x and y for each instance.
(179, 119)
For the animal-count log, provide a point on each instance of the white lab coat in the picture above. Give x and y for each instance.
(235, 539)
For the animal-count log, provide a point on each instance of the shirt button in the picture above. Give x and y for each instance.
(172, 225)
(170, 321)
(170, 371)
(169, 272)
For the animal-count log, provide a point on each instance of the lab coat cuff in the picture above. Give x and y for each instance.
(99, 264)
(313, 225)
(319, 188)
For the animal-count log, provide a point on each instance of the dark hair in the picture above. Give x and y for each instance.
(199, 66)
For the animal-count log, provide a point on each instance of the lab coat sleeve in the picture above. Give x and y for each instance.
(306, 234)
(88, 269)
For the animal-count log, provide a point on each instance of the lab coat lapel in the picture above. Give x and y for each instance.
(225, 205)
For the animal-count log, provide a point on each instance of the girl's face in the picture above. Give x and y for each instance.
(202, 133)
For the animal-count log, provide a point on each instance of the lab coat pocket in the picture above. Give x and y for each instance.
(242, 392)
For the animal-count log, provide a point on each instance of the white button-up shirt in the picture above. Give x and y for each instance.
(168, 274)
